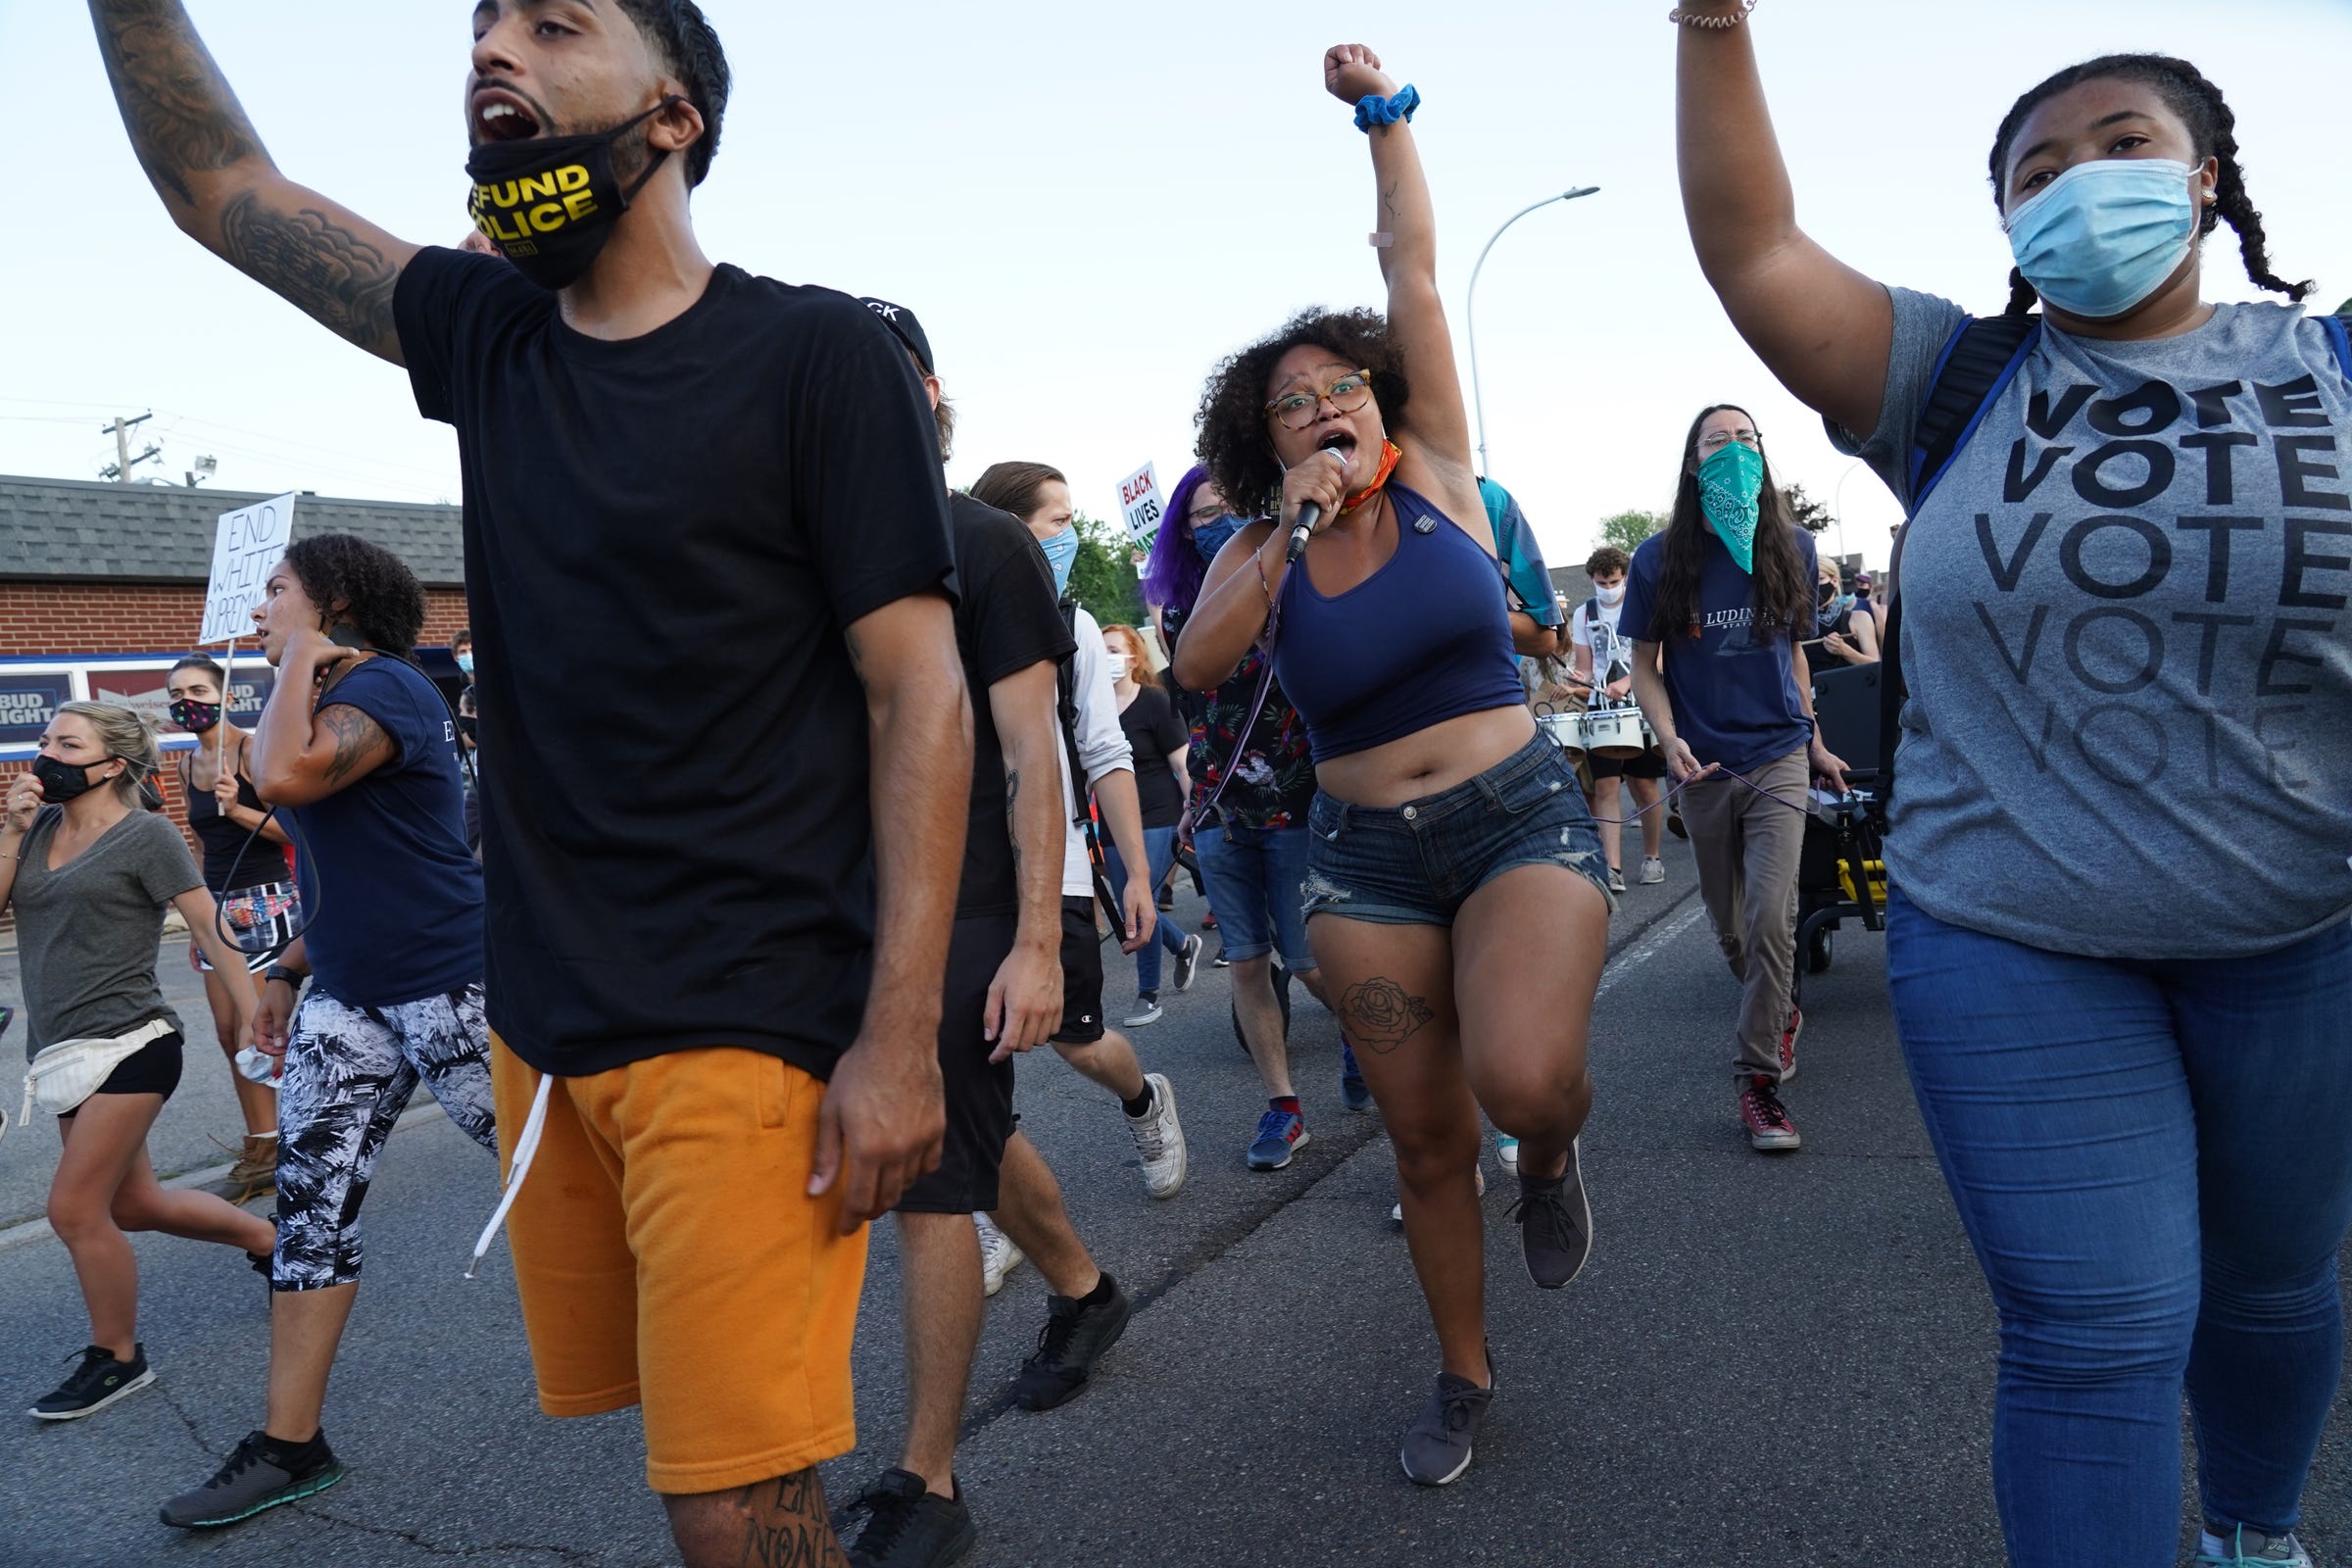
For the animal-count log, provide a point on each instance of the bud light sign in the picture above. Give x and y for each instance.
(28, 703)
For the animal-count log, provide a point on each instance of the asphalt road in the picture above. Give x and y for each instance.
(1769, 1360)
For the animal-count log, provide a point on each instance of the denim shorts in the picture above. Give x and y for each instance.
(1416, 865)
(1254, 877)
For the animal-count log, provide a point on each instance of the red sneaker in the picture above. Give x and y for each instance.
(1766, 1118)
(1797, 1022)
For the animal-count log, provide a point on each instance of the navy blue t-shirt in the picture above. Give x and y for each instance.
(395, 901)
(1734, 693)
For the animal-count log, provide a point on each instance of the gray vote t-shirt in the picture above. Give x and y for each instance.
(87, 932)
(2126, 640)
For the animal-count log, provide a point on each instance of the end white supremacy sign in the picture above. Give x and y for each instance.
(251, 540)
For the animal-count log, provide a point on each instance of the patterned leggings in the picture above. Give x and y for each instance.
(348, 1076)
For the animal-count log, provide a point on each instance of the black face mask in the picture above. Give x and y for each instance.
(548, 203)
(62, 781)
(193, 716)
(467, 726)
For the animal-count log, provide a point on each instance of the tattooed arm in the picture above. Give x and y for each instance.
(220, 186)
(1024, 1000)
(303, 752)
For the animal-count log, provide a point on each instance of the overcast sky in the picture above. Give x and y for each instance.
(1090, 204)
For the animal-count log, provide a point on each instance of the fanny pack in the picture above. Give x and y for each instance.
(262, 919)
(66, 1074)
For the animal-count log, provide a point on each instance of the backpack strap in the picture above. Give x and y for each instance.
(1082, 814)
(1979, 362)
(2339, 333)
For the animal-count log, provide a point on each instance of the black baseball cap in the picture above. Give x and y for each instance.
(901, 321)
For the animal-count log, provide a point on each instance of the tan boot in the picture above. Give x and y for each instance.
(256, 1171)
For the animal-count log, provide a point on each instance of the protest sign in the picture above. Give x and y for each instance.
(1141, 506)
(249, 541)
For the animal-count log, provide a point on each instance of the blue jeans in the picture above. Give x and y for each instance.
(1256, 877)
(1160, 848)
(2154, 1162)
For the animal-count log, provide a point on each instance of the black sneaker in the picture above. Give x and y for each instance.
(1437, 1448)
(1187, 962)
(907, 1527)
(1073, 1339)
(1555, 1225)
(260, 1475)
(94, 1385)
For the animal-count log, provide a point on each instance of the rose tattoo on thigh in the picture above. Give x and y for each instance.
(1380, 1016)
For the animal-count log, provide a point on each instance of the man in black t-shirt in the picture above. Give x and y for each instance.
(707, 556)
(1004, 996)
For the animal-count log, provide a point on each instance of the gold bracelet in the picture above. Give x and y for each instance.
(1711, 23)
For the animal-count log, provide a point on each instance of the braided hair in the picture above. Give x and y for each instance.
(2212, 130)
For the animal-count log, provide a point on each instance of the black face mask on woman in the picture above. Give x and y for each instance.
(62, 781)
(548, 203)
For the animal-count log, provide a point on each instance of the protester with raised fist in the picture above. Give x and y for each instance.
(1455, 893)
(2121, 597)
(717, 966)
(88, 873)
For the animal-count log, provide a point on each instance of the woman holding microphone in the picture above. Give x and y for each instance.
(1455, 892)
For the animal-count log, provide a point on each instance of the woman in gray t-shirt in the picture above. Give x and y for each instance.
(88, 872)
(2128, 598)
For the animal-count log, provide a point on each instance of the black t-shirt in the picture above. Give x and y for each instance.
(1153, 730)
(1005, 621)
(666, 537)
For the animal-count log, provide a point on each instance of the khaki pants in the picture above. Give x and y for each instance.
(1747, 849)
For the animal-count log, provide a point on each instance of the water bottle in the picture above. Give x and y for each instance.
(258, 1067)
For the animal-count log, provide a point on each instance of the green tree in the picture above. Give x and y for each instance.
(1103, 577)
(1627, 529)
(1811, 515)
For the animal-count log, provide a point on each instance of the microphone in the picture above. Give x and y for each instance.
(1309, 514)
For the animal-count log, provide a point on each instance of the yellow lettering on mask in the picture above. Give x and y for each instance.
(507, 230)
(580, 203)
(537, 185)
(546, 218)
(572, 176)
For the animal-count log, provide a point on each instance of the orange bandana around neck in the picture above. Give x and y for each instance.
(1390, 452)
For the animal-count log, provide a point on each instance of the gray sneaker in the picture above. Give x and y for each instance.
(2243, 1547)
(1437, 1448)
(1555, 1225)
(261, 1474)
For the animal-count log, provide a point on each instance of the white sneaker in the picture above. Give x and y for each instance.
(1506, 1150)
(1159, 1139)
(998, 1255)
(1653, 872)
(1396, 1214)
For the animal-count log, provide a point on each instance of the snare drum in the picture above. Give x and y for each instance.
(1567, 732)
(1615, 732)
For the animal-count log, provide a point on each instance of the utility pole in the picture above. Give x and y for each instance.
(120, 469)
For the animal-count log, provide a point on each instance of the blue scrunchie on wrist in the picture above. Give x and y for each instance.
(1374, 109)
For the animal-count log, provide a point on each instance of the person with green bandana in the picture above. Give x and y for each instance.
(1728, 592)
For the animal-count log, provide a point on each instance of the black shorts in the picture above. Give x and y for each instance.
(1081, 974)
(1649, 764)
(152, 1069)
(979, 1091)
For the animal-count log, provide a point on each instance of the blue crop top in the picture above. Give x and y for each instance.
(1424, 639)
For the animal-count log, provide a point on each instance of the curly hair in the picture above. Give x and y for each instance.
(380, 595)
(687, 45)
(1233, 406)
(2212, 130)
(1779, 594)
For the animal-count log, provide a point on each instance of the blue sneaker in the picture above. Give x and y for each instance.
(1506, 1150)
(2251, 1548)
(1280, 1134)
(1354, 1092)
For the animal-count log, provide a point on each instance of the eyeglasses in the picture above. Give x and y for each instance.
(1297, 410)
(1715, 441)
(1202, 517)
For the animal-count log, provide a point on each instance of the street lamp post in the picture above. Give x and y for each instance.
(1476, 393)
(1838, 505)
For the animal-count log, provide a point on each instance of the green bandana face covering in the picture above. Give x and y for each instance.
(1728, 483)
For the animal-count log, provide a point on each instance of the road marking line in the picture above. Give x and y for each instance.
(1651, 946)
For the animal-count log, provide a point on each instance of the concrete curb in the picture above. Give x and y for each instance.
(211, 1179)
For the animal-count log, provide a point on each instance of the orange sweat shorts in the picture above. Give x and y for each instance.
(667, 1213)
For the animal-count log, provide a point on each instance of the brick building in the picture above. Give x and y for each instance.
(102, 588)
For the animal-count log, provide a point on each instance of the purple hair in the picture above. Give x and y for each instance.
(1172, 577)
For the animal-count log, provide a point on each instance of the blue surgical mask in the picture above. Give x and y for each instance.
(1210, 537)
(1061, 551)
(1728, 483)
(465, 662)
(2102, 237)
